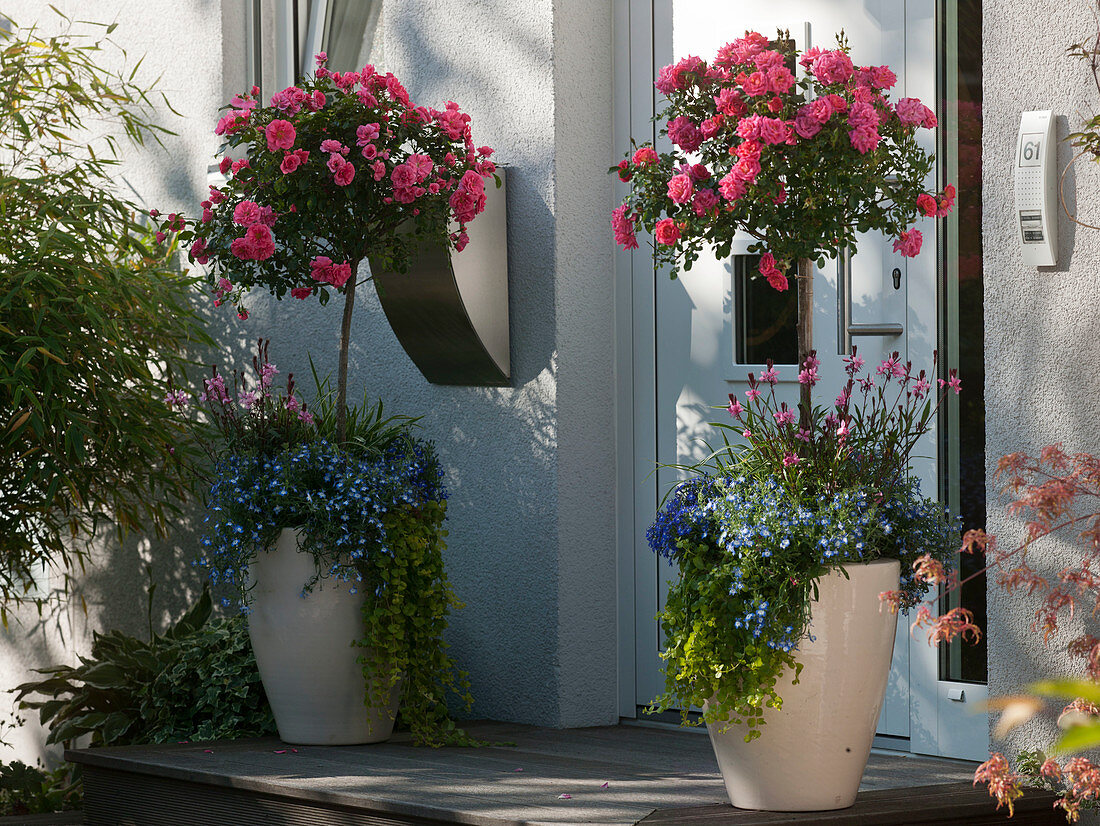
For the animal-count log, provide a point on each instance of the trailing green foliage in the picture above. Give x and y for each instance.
(196, 681)
(28, 790)
(92, 315)
(404, 625)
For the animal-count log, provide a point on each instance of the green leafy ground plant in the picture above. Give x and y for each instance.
(196, 681)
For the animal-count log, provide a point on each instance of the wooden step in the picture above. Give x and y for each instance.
(618, 775)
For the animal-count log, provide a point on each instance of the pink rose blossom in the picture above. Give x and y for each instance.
(746, 169)
(731, 187)
(160, 236)
(947, 202)
(806, 125)
(776, 279)
(863, 94)
(864, 139)
(756, 84)
(833, 67)
(197, 250)
(711, 126)
(704, 202)
(768, 59)
(666, 232)
(749, 149)
(300, 293)
(912, 111)
(780, 80)
(224, 165)
(730, 103)
(246, 213)
(680, 189)
(367, 133)
(882, 77)
(837, 103)
(330, 145)
(774, 130)
(926, 204)
(421, 164)
(684, 133)
(317, 100)
(909, 243)
(345, 174)
(261, 241)
(862, 115)
(403, 175)
(749, 128)
(280, 134)
(622, 223)
(378, 169)
(646, 156)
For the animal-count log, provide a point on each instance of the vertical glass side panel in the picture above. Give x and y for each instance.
(962, 346)
(764, 318)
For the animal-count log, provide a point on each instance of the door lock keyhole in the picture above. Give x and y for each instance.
(897, 278)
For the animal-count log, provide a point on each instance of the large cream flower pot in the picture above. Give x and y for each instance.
(303, 647)
(811, 753)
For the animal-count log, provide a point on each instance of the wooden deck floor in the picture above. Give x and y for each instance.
(619, 775)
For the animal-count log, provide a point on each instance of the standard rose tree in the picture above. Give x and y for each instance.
(338, 169)
(801, 163)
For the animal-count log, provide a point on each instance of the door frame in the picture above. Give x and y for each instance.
(944, 726)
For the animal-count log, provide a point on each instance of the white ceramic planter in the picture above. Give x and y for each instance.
(811, 754)
(304, 651)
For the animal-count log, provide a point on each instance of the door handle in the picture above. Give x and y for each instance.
(845, 328)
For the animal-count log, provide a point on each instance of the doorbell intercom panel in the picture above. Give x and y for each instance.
(1036, 188)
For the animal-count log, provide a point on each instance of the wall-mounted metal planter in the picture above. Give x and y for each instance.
(450, 310)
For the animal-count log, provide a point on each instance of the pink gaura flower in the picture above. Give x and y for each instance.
(666, 232)
(735, 407)
(680, 189)
(790, 459)
(803, 434)
(770, 375)
(909, 243)
(280, 134)
(752, 394)
(784, 416)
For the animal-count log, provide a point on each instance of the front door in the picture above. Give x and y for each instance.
(712, 326)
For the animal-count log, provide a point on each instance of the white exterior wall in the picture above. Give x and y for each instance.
(1042, 325)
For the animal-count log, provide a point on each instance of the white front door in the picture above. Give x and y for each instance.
(712, 326)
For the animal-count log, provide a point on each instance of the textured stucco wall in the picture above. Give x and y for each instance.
(530, 467)
(182, 42)
(1042, 325)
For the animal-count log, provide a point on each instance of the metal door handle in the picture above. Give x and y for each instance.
(845, 328)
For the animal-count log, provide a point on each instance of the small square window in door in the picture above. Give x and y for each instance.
(764, 318)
